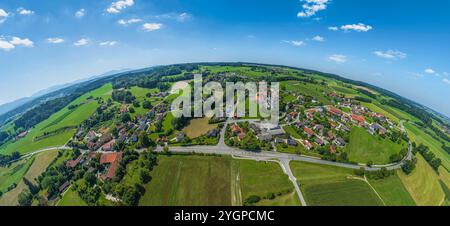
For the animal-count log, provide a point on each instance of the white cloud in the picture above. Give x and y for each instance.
(117, 7)
(81, 42)
(334, 28)
(108, 43)
(55, 40)
(430, 71)
(338, 58)
(80, 13)
(151, 26)
(128, 22)
(25, 12)
(318, 38)
(5, 45)
(3, 15)
(294, 42)
(183, 17)
(446, 81)
(391, 54)
(360, 27)
(16, 41)
(311, 7)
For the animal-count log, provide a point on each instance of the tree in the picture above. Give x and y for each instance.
(360, 172)
(409, 166)
(145, 140)
(90, 179)
(33, 189)
(252, 200)
(131, 110)
(369, 164)
(125, 118)
(144, 176)
(147, 104)
(25, 198)
(166, 149)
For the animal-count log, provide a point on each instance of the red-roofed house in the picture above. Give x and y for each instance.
(307, 145)
(73, 163)
(309, 131)
(335, 111)
(359, 119)
(333, 150)
(113, 159)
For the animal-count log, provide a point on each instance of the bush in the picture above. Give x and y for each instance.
(252, 200)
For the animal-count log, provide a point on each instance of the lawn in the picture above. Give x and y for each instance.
(183, 180)
(263, 178)
(167, 123)
(420, 137)
(61, 119)
(189, 180)
(364, 147)
(39, 165)
(332, 186)
(423, 184)
(290, 130)
(392, 191)
(71, 198)
(198, 127)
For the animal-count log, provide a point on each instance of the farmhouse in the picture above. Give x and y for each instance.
(113, 160)
(309, 132)
(358, 119)
(74, 163)
(335, 111)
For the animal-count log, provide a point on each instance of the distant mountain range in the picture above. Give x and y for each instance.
(4, 108)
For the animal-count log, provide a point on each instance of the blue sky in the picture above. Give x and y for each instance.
(403, 46)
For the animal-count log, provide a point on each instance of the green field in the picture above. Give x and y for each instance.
(421, 137)
(364, 147)
(423, 184)
(61, 119)
(205, 180)
(392, 191)
(140, 94)
(313, 90)
(377, 109)
(39, 164)
(332, 186)
(14, 173)
(71, 198)
(263, 178)
(189, 180)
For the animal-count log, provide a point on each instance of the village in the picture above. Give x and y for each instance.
(316, 128)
